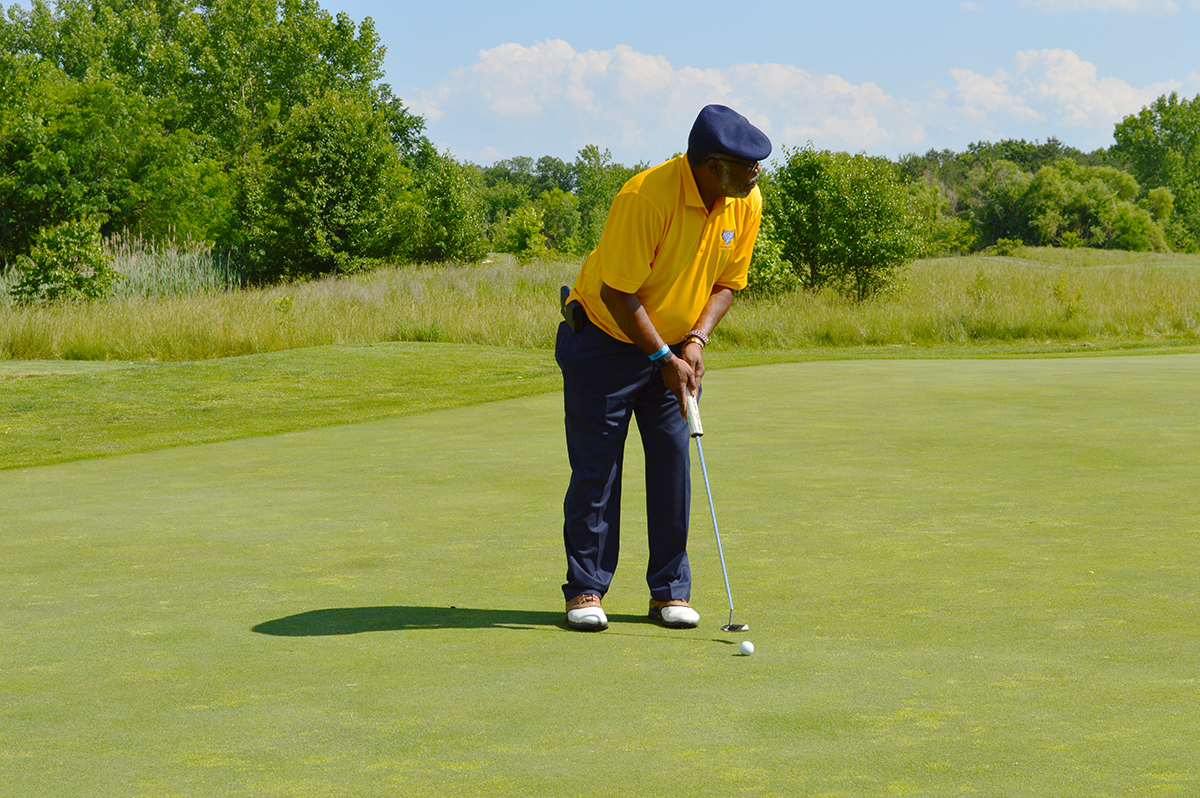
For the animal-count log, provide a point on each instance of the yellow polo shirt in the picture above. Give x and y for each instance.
(662, 244)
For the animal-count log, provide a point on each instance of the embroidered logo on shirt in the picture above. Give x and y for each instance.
(727, 236)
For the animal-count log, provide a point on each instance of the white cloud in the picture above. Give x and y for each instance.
(1070, 85)
(1053, 85)
(626, 100)
(969, 6)
(514, 99)
(1151, 7)
(981, 96)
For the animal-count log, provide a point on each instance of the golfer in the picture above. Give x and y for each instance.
(676, 245)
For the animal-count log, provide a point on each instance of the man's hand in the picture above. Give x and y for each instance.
(679, 376)
(693, 353)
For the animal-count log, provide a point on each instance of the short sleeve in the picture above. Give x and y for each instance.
(629, 242)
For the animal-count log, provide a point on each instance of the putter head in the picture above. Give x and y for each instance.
(736, 627)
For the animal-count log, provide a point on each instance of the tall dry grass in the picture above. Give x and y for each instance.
(978, 300)
(152, 269)
(1033, 297)
(168, 268)
(499, 303)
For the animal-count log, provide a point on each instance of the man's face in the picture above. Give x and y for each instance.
(738, 178)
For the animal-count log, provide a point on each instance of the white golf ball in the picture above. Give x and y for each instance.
(747, 648)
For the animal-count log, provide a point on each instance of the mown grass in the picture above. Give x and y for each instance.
(962, 578)
(51, 413)
(1034, 297)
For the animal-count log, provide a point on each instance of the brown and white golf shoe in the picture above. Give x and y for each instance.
(675, 614)
(585, 613)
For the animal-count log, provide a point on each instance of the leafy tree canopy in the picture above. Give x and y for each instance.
(844, 221)
(1162, 145)
(167, 115)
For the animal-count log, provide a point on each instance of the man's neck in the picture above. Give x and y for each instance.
(708, 193)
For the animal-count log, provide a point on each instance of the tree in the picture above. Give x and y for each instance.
(944, 232)
(521, 234)
(770, 273)
(1162, 146)
(407, 129)
(518, 171)
(960, 177)
(560, 220)
(1096, 205)
(998, 202)
(598, 179)
(250, 62)
(336, 191)
(843, 220)
(502, 199)
(72, 148)
(552, 173)
(452, 224)
(165, 115)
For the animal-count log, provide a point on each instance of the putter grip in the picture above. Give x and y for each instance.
(693, 415)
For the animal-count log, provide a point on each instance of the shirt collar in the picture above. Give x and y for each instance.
(691, 192)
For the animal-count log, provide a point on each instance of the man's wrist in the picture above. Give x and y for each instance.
(662, 357)
(697, 337)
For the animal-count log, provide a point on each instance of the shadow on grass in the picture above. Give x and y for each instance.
(354, 620)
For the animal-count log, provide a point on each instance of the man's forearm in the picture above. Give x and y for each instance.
(631, 317)
(715, 308)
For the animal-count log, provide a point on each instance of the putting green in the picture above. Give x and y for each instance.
(962, 577)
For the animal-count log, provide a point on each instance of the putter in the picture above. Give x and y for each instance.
(696, 429)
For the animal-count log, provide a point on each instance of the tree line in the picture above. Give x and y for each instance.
(264, 128)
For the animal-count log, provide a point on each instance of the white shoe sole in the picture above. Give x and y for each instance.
(678, 617)
(587, 619)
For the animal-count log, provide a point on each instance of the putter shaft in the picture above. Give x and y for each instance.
(720, 553)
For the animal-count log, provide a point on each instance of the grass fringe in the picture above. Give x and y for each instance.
(1035, 296)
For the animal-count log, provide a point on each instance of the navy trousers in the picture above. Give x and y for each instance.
(606, 382)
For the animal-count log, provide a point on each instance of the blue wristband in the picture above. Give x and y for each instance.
(660, 354)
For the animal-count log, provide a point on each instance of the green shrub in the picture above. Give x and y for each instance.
(335, 194)
(1070, 240)
(521, 234)
(67, 262)
(1133, 229)
(770, 273)
(453, 220)
(845, 221)
(1005, 247)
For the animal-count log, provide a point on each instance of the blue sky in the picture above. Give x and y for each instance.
(529, 77)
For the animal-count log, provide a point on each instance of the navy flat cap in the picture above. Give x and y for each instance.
(723, 131)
